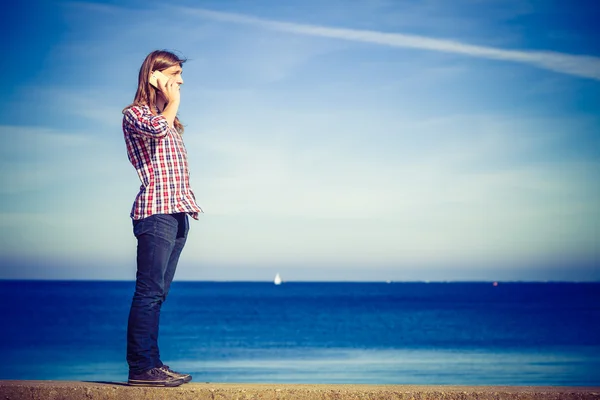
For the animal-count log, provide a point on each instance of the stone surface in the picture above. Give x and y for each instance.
(73, 390)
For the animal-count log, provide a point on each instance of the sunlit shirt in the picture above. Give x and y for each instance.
(157, 153)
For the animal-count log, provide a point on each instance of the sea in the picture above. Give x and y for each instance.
(436, 333)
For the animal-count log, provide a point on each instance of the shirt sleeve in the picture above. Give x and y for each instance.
(145, 123)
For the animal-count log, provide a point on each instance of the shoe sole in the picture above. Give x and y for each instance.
(173, 383)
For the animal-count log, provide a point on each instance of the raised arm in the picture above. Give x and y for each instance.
(170, 92)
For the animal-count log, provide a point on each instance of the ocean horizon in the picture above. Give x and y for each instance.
(410, 332)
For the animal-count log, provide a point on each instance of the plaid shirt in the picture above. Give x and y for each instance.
(160, 159)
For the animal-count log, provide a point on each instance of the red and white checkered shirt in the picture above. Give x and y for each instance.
(160, 159)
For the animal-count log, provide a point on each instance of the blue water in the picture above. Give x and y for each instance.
(397, 333)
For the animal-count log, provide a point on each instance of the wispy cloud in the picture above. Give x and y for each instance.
(577, 65)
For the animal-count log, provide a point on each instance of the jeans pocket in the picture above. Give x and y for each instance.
(159, 225)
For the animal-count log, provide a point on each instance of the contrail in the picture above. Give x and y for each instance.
(578, 65)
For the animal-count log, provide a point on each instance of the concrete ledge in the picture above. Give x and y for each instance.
(58, 390)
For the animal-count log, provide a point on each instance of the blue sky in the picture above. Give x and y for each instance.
(328, 140)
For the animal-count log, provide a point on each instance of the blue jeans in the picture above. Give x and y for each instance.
(161, 238)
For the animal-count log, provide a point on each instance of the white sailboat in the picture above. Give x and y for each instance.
(277, 279)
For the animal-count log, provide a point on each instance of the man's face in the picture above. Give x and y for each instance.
(174, 73)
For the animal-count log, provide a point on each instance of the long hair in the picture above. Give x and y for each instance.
(146, 93)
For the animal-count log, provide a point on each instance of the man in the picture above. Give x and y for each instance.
(153, 135)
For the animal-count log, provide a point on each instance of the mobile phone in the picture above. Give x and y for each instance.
(156, 76)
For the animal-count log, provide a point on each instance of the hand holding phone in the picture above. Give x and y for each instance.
(168, 87)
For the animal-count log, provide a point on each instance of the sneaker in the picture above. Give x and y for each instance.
(154, 377)
(186, 377)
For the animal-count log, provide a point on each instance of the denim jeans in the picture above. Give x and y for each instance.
(161, 238)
